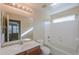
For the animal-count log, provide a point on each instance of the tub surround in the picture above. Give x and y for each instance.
(15, 49)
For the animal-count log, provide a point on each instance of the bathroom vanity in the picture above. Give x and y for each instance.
(28, 48)
(33, 51)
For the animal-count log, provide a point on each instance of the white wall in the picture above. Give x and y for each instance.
(0, 29)
(38, 33)
(39, 27)
(77, 40)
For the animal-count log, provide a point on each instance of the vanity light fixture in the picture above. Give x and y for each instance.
(53, 4)
(19, 7)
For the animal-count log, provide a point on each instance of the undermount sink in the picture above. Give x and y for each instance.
(17, 47)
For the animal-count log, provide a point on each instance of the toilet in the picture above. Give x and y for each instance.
(45, 50)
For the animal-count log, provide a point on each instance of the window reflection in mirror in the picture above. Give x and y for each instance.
(14, 30)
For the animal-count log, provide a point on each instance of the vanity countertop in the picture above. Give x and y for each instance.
(14, 49)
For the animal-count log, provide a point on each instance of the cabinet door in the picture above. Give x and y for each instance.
(34, 51)
(22, 53)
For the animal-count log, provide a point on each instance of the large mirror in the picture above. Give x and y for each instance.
(16, 28)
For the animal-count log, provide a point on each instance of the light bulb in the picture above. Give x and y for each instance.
(13, 4)
(53, 4)
(23, 7)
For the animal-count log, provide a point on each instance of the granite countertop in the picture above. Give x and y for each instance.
(14, 49)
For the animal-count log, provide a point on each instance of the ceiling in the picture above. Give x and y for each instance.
(36, 5)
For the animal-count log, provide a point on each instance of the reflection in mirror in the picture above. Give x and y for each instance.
(30, 30)
(28, 34)
(27, 30)
(16, 28)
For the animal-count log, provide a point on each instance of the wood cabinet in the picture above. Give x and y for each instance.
(33, 51)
